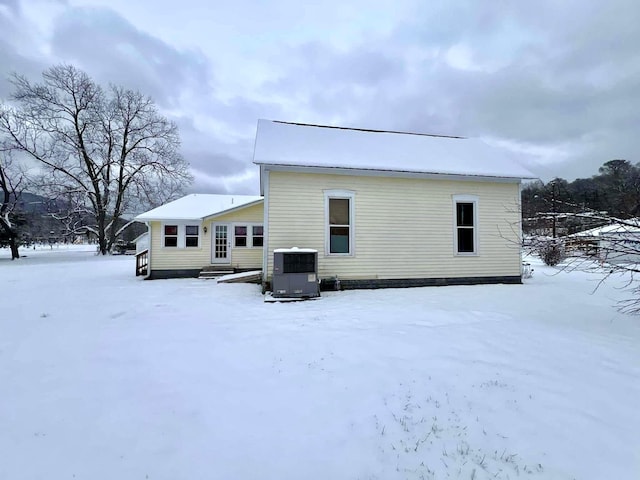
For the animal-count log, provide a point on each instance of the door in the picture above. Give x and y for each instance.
(220, 244)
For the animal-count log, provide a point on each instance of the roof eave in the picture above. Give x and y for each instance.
(387, 172)
(162, 219)
(196, 219)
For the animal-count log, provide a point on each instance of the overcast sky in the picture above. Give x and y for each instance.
(557, 82)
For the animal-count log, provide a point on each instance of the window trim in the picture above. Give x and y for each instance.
(197, 236)
(163, 227)
(249, 235)
(181, 243)
(246, 236)
(464, 198)
(343, 195)
(259, 236)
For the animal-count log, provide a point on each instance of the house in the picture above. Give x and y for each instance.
(390, 209)
(142, 242)
(380, 208)
(203, 231)
(618, 242)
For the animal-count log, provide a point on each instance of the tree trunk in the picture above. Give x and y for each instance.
(103, 245)
(12, 234)
(102, 234)
(14, 248)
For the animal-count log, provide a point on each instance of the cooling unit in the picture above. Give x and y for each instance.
(295, 273)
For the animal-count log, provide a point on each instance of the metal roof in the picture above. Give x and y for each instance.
(308, 145)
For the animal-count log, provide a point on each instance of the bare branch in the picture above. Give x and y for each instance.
(103, 150)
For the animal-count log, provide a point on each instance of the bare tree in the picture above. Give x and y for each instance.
(106, 151)
(11, 184)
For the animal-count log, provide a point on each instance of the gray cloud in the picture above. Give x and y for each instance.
(113, 50)
(556, 79)
(13, 42)
(223, 164)
(11, 5)
(533, 78)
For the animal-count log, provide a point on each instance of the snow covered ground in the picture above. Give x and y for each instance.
(106, 376)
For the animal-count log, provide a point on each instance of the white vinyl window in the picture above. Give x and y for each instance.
(191, 235)
(339, 222)
(257, 235)
(170, 235)
(248, 235)
(180, 235)
(240, 234)
(465, 220)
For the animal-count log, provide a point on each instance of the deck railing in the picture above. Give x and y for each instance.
(142, 262)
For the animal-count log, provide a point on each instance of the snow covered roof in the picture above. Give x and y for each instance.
(294, 144)
(197, 206)
(141, 238)
(611, 229)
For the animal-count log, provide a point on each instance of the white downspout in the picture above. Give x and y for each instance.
(265, 249)
(520, 232)
(149, 251)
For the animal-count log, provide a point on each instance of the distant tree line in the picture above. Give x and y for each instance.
(559, 207)
(37, 220)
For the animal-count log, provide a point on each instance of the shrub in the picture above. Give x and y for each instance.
(551, 251)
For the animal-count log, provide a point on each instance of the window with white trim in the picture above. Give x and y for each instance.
(339, 222)
(240, 235)
(181, 235)
(248, 235)
(466, 225)
(257, 235)
(191, 235)
(170, 235)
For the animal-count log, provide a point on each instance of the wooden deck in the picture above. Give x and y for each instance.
(142, 263)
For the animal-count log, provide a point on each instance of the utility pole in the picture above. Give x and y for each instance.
(553, 208)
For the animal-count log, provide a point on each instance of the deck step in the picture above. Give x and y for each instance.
(208, 274)
(217, 268)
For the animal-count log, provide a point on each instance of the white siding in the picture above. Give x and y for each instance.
(191, 258)
(172, 258)
(243, 257)
(404, 228)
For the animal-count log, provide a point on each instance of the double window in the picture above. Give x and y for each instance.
(466, 225)
(181, 236)
(339, 222)
(248, 235)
